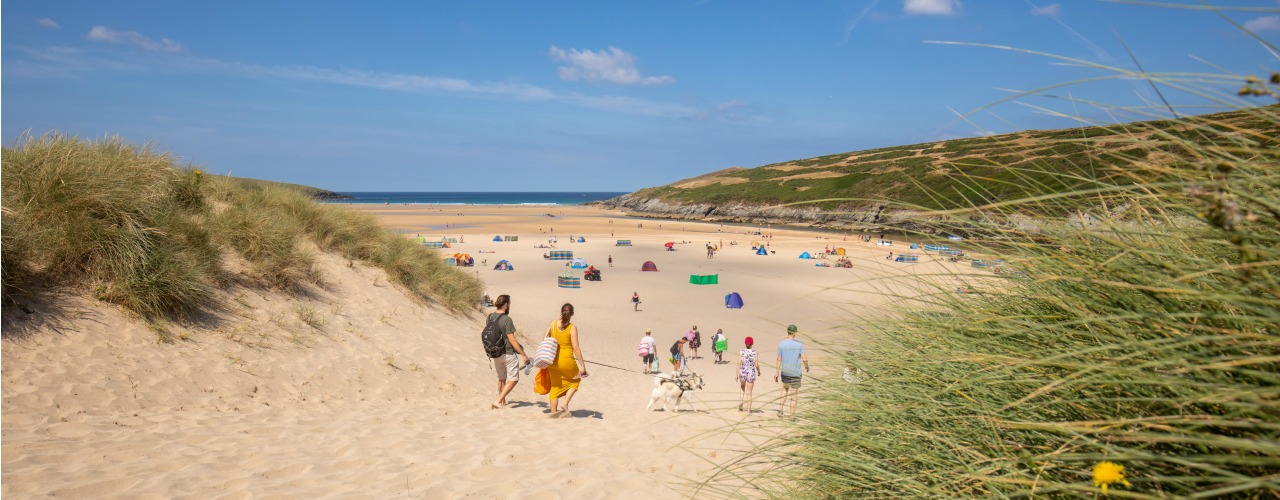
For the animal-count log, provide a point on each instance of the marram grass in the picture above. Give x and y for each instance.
(128, 225)
(1128, 345)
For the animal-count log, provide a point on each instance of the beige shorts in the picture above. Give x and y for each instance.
(507, 366)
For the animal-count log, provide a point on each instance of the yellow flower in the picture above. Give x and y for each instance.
(1106, 473)
(199, 172)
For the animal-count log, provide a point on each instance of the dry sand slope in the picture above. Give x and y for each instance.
(381, 396)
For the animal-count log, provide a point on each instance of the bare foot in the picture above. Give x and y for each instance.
(495, 406)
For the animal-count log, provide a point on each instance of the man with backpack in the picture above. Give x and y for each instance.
(677, 354)
(503, 349)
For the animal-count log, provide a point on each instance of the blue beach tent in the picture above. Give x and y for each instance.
(806, 256)
(733, 301)
(497, 238)
(762, 251)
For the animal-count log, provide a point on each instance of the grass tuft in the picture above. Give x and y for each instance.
(1133, 325)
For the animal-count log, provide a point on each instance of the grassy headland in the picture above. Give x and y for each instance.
(126, 224)
(860, 187)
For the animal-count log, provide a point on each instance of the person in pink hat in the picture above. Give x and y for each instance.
(745, 374)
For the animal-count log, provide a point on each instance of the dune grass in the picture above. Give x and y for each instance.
(1137, 325)
(128, 224)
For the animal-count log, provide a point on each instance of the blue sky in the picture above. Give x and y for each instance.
(565, 96)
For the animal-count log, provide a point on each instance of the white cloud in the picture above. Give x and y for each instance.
(47, 23)
(1052, 10)
(105, 34)
(1265, 23)
(612, 65)
(930, 7)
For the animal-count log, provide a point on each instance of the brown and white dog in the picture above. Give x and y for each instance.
(671, 387)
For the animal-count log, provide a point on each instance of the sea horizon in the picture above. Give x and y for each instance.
(531, 198)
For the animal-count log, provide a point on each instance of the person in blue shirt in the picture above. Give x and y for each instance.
(790, 360)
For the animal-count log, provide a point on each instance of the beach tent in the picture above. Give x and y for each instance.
(578, 263)
(762, 251)
(840, 251)
(568, 280)
(914, 246)
(806, 256)
(704, 279)
(733, 301)
(497, 238)
(582, 240)
(623, 243)
(450, 261)
(649, 266)
(935, 248)
(434, 244)
(907, 257)
(503, 265)
(560, 255)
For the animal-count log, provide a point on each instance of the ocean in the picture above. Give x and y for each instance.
(476, 198)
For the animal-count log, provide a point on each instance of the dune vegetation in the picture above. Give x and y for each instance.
(1127, 345)
(129, 226)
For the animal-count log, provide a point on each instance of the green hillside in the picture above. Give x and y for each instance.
(313, 192)
(967, 172)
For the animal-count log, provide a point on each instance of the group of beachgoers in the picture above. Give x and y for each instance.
(792, 363)
(565, 369)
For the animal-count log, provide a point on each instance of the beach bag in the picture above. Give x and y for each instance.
(491, 337)
(643, 350)
(542, 382)
(545, 354)
(722, 343)
(655, 366)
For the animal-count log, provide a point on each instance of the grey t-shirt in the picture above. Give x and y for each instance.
(507, 327)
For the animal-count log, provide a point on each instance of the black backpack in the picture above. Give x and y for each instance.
(495, 343)
(675, 349)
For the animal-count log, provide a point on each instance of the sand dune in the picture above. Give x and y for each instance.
(357, 391)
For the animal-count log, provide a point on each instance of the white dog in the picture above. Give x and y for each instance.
(670, 387)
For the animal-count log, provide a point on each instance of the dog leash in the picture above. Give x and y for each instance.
(616, 368)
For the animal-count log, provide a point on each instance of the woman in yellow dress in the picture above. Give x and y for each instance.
(570, 367)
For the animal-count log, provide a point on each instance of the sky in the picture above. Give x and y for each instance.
(588, 95)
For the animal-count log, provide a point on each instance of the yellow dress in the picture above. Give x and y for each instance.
(564, 373)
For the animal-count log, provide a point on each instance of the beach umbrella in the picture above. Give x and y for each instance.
(669, 244)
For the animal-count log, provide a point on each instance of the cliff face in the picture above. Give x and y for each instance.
(758, 214)
(848, 218)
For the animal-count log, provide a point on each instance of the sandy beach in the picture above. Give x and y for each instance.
(353, 390)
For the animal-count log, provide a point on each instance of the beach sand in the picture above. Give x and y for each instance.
(353, 390)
